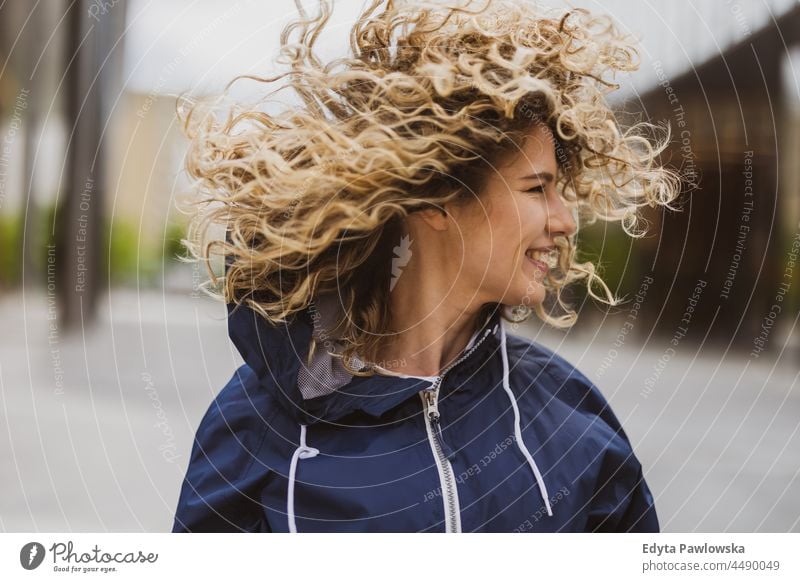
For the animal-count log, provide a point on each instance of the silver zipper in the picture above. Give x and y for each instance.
(430, 397)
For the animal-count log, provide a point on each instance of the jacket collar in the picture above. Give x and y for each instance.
(276, 352)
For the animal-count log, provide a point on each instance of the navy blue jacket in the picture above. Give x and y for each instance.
(510, 438)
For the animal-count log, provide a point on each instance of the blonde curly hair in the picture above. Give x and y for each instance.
(312, 198)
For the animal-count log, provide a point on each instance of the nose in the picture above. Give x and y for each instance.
(559, 218)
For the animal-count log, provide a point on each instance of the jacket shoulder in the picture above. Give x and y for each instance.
(622, 500)
(566, 382)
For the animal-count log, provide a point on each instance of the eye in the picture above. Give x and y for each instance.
(537, 189)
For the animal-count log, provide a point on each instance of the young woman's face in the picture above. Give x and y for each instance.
(514, 221)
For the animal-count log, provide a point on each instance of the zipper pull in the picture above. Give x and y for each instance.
(431, 398)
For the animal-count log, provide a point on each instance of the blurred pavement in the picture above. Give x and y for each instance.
(97, 426)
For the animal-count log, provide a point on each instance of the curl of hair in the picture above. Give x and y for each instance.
(311, 198)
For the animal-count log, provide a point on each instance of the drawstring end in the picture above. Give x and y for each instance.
(301, 452)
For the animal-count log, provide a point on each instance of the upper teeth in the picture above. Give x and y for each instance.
(543, 256)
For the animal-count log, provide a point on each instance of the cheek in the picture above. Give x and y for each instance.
(535, 220)
(495, 257)
(493, 248)
(497, 246)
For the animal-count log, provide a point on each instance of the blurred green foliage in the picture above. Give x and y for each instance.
(10, 259)
(125, 258)
(610, 249)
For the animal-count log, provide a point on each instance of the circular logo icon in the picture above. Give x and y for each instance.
(31, 555)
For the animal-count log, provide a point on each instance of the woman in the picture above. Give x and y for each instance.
(381, 238)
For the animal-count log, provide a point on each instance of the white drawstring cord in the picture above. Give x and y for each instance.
(517, 430)
(301, 452)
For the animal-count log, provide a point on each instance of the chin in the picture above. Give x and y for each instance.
(529, 295)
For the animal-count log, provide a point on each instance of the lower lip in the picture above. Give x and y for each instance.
(538, 264)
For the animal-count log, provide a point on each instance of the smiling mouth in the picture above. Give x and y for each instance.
(543, 258)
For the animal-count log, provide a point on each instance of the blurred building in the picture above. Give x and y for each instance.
(736, 134)
(723, 74)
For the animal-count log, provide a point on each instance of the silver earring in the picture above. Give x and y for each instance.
(520, 313)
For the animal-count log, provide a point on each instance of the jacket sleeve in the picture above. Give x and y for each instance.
(221, 489)
(622, 501)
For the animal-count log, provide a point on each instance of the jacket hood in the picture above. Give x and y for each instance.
(278, 355)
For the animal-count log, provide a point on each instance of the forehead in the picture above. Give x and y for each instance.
(536, 152)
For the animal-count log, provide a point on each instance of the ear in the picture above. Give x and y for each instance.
(435, 217)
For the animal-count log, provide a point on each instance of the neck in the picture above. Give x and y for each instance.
(433, 319)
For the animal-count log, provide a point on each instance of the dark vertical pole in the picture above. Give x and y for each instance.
(33, 85)
(80, 220)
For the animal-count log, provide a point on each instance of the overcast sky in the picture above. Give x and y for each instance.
(174, 45)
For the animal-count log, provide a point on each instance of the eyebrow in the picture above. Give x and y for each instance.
(544, 176)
